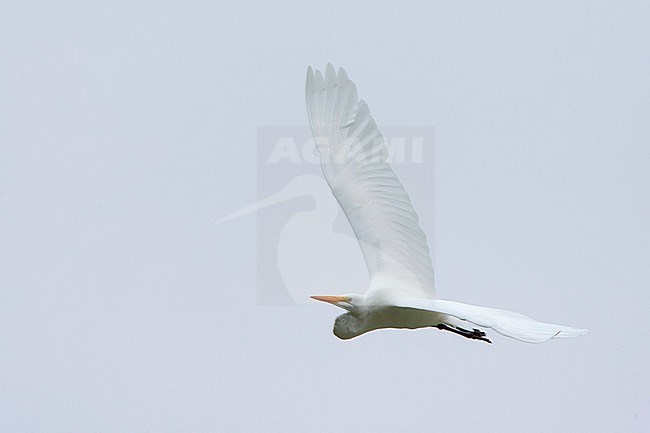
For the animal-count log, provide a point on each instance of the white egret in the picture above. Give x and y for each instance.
(401, 293)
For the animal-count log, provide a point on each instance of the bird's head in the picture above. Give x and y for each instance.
(351, 302)
(350, 324)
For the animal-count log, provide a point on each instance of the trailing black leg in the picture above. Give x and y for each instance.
(474, 334)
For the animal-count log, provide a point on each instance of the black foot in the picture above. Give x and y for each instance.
(474, 334)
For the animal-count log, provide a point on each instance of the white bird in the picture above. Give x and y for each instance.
(401, 293)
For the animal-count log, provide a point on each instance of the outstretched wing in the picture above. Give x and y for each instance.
(508, 323)
(353, 158)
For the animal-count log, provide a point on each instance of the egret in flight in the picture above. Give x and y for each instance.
(401, 293)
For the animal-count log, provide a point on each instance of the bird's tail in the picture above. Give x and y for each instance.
(508, 323)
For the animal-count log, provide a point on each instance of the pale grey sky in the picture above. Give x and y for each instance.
(128, 128)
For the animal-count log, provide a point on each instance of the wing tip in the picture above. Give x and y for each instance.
(329, 70)
(315, 75)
